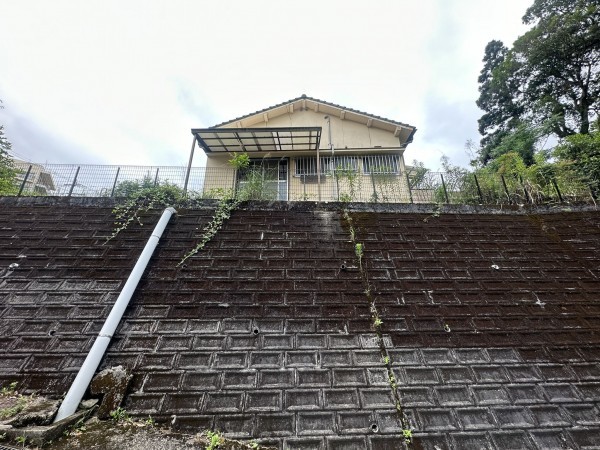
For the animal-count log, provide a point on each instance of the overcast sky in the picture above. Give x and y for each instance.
(123, 82)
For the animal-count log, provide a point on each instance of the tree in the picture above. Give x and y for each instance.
(550, 75)
(498, 92)
(7, 169)
(583, 152)
(129, 188)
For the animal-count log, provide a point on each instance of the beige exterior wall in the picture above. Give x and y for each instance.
(358, 187)
(344, 133)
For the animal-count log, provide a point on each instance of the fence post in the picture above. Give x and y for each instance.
(505, 188)
(478, 188)
(444, 186)
(112, 193)
(560, 199)
(374, 189)
(304, 187)
(189, 167)
(156, 177)
(24, 181)
(408, 185)
(74, 181)
(527, 197)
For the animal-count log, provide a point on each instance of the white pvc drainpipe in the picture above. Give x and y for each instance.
(92, 361)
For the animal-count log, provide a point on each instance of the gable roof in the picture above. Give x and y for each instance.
(304, 102)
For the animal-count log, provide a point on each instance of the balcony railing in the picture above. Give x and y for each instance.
(264, 183)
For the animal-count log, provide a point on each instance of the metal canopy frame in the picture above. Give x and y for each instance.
(214, 140)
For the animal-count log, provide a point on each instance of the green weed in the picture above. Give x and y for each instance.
(119, 414)
(214, 440)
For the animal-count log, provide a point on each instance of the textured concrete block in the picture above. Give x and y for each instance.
(275, 425)
(162, 382)
(372, 398)
(471, 440)
(203, 326)
(456, 374)
(582, 414)
(340, 398)
(304, 444)
(489, 374)
(245, 379)
(335, 358)
(453, 395)
(343, 341)
(438, 356)
(355, 422)
(301, 359)
(438, 420)
(235, 425)
(316, 423)
(475, 418)
(589, 391)
(557, 439)
(209, 343)
(559, 393)
(263, 401)
(490, 395)
(513, 417)
(191, 360)
(312, 341)
(200, 381)
(230, 360)
(181, 403)
(223, 402)
(416, 396)
(144, 403)
(314, 377)
(304, 399)
(276, 378)
(275, 341)
(512, 439)
(525, 393)
(348, 443)
(421, 375)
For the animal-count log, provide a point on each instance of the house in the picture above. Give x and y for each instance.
(309, 149)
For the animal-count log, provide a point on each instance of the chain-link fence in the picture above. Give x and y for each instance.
(347, 183)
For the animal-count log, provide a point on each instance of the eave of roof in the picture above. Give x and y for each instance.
(322, 102)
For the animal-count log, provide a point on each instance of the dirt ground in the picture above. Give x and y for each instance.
(133, 435)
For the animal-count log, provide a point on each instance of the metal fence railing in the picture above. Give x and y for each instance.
(350, 183)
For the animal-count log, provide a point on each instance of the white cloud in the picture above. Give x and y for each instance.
(123, 82)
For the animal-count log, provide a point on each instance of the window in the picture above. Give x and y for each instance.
(264, 179)
(345, 163)
(380, 164)
(307, 166)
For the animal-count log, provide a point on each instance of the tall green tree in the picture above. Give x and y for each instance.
(550, 75)
(498, 97)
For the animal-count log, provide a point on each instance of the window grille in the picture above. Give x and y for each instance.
(380, 164)
(308, 165)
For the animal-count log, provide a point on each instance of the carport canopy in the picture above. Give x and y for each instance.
(258, 139)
